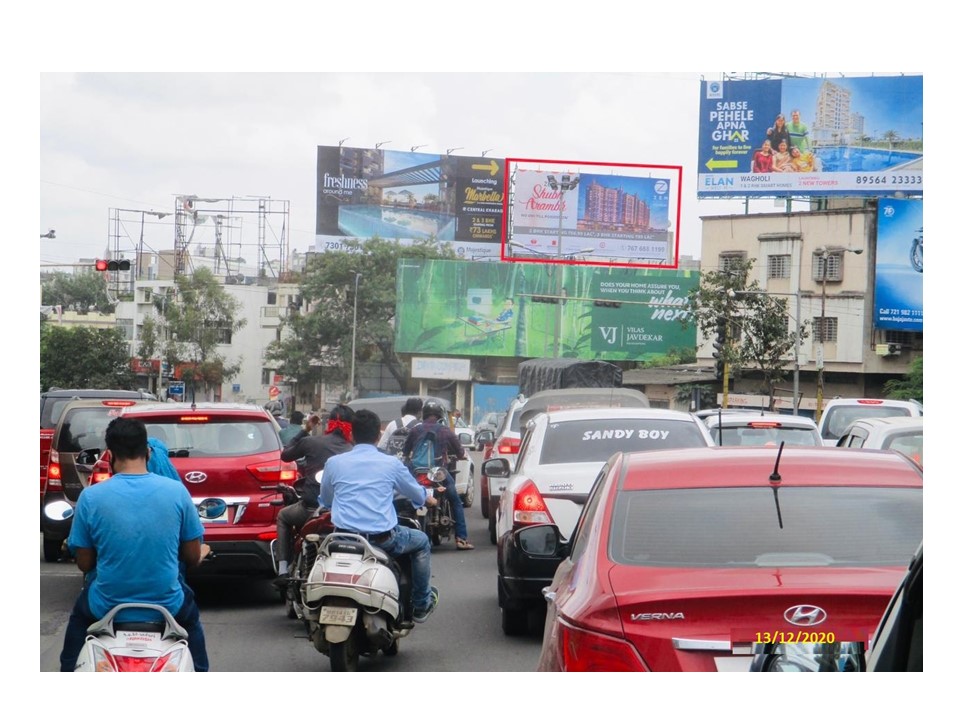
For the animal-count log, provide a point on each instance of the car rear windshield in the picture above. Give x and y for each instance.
(215, 438)
(746, 435)
(738, 527)
(84, 428)
(910, 444)
(840, 417)
(578, 441)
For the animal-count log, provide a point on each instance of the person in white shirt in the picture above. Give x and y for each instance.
(411, 415)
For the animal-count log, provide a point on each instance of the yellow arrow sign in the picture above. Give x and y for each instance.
(491, 166)
(721, 164)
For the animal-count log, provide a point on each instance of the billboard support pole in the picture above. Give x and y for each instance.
(562, 186)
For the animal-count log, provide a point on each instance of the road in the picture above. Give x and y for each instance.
(247, 629)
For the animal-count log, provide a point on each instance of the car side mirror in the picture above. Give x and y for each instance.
(541, 541)
(88, 456)
(496, 468)
(484, 437)
(465, 439)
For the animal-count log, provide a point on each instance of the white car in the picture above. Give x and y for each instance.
(561, 455)
(841, 412)
(903, 434)
(748, 428)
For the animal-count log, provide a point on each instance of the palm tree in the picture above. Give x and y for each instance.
(891, 136)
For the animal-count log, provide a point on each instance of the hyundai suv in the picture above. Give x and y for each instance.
(228, 457)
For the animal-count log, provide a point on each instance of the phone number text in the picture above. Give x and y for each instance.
(889, 179)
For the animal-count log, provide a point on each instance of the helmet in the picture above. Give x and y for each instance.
(431, 408)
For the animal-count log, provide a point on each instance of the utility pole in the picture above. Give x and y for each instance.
(565, 184)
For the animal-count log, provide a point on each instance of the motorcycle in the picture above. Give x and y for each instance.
(439, 523)
(113, 646)
(356, 599)
(916, 252)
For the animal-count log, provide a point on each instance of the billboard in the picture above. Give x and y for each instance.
(842, 136)
(409, 196)
(614, 216)
(451, 307)
(898, 299)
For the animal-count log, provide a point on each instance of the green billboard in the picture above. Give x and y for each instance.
(454, 307)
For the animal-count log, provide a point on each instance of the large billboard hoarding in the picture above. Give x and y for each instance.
(627, 216)
(450, 307)
(409, 196)
(811, 137)
(898, 300)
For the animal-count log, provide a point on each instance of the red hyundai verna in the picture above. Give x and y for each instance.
(228, 457)
(683, 559)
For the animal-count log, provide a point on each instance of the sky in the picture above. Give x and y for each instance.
(135, 104)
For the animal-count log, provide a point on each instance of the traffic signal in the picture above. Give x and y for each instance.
(112, 265)
(718, 346)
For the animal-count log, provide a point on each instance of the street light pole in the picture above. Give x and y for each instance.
(353, 348)
(565, 184)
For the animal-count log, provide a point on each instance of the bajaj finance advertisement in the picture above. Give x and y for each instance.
(898, 301)
(811, 136)
(409, 196)
(508, 310)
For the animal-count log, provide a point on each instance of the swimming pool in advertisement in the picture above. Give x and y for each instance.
(395, 223)
(844, 158)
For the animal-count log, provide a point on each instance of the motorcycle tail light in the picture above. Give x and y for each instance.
(102, 660)
(424, 480)
(582, 650)
(128, 663)
(529, 507)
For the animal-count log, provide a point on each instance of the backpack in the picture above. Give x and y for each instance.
(424, 453)
(399, 436)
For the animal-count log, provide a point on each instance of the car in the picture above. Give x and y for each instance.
(466, 434)
(52, 403)
(80, 426)
(486, 429)
(683, 560)
(560, 456)
(505, 444)
(389, 407)
(757, 428)
(903, 434)
(228, 455)
(839, 413)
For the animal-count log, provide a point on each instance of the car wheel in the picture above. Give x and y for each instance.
(513, 620)
(467, 498)
(492, 528)
(52, 548)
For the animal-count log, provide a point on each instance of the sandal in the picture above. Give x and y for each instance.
(463, 544)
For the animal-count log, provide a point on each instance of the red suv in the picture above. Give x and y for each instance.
(228, 457)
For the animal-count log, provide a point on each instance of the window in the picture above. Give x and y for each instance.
(906, 339)
(829, 329)
(126, 327)
(266, 376)
(834, 267)
(778, 266)
(224, 335)
(730, 261)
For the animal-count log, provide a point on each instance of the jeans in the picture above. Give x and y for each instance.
(287, 519)
(456, 504)
(407, 541)
(81, 618)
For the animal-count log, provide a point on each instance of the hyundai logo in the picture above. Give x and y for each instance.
(195, 476)
(805, 615)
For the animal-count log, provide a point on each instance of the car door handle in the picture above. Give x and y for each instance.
(549, 595)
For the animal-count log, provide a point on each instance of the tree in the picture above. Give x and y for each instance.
(321, 335)
(84, 357)
(911, 387)
(758, 332)
(79, 292)
(199, 318)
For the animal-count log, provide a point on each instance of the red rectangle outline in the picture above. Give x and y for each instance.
(507, 199)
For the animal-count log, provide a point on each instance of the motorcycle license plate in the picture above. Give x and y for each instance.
(335, 615)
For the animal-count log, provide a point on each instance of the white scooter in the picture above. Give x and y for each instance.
(357, 599)
(113, 646)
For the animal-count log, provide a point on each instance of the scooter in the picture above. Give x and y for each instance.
(113, 646)
(356, 599)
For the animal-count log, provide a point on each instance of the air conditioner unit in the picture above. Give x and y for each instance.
(888, 349)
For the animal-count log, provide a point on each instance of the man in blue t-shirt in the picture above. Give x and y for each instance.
(129, 535)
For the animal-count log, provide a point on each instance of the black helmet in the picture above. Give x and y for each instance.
(431, 408)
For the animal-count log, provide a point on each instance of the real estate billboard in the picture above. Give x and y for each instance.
(840, 136)
(898, 298)
(409, 196)
(451, 307)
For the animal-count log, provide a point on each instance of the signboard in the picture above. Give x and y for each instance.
(409, 196)
(843, 136)
(449, 307)
(614, 216)
(440, 368)
(175, 388)
(898, 297)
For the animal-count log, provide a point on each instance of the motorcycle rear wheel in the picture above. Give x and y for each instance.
(392, 649)
(345, 656)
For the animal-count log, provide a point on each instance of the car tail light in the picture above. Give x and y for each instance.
(117, 403)
(529, 507)
(101, 470)
(583, 650)
(274, 472)
(764, 424)
(54, 473)
(508, 446)
(870, 402)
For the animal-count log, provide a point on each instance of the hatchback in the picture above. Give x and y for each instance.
(228, 457)
(685, 559)
(80, 426)
(561, 454)
(755, 428)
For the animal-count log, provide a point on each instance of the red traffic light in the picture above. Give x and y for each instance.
(112, 265)
(101, 265)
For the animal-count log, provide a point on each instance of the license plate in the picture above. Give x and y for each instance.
(336, 615)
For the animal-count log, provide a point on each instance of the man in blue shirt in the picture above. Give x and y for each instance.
(358, 486)
(129, 535)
